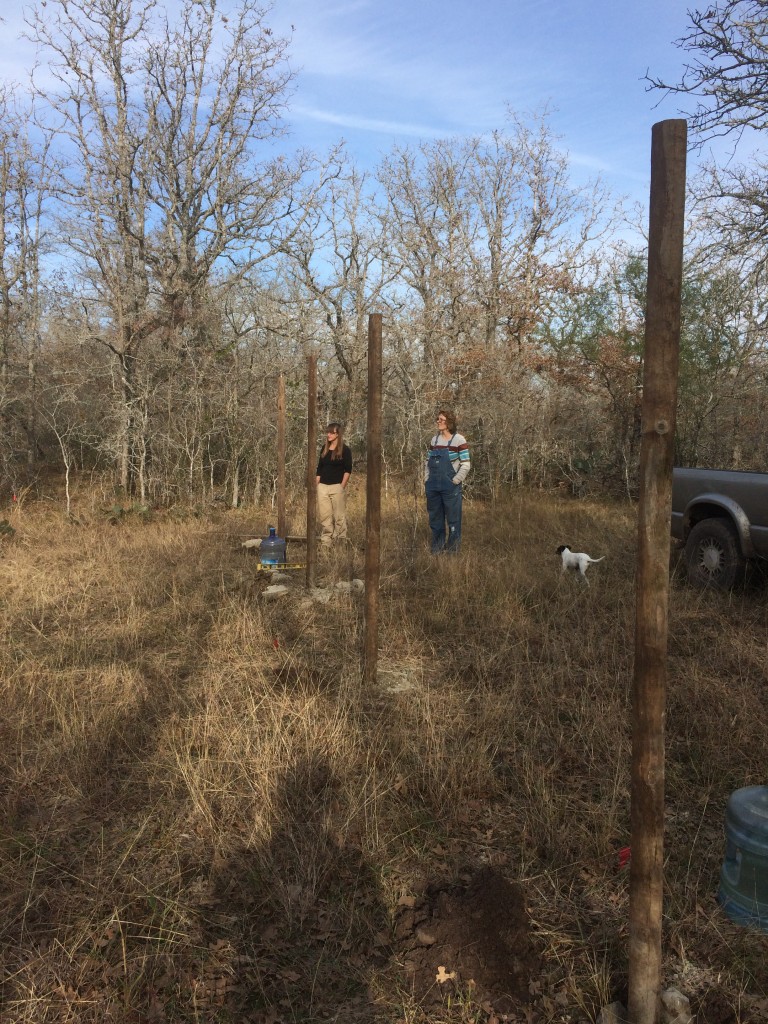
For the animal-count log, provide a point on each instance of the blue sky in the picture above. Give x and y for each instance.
(375, 72)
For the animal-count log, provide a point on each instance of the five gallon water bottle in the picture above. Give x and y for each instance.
(272, 549)
(743, 892)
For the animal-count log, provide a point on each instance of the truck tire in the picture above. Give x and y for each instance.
(713, 556)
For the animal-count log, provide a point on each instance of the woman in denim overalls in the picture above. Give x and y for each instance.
(447, 466)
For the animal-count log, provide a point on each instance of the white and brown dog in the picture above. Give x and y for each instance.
(577, 560)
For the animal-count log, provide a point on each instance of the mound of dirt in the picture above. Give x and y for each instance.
(470, 940)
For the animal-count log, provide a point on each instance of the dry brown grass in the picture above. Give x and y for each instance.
(207, 817)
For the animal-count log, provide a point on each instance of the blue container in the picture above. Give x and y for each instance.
(272, 549)
(743, 892)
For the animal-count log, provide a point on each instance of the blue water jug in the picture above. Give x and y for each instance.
(272, 549)
(743, 892)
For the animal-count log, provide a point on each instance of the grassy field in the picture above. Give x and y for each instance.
(206, 817)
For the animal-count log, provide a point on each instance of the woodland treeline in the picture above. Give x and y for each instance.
(167, 252)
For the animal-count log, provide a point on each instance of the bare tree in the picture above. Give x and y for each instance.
(532, 232)
(726, 60)
(215, 92)
(724, 78)
(25, 173)
(424, 224)
(337, 264)
(485, 232)
(170, 183)
(95, 50)
(723, 367)
(484, 228)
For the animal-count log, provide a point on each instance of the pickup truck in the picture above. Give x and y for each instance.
(721, 516)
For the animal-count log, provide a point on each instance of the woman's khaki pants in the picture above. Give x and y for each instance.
(332, 512)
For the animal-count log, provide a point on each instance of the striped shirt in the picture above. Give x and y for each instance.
(458, 453)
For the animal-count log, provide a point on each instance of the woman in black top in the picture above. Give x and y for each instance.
(334, 468)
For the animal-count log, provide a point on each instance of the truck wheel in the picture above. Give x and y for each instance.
(713, 555)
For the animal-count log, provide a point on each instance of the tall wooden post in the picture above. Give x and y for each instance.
(311, 467)
(662, 344)
(281, 531)
(373, 501)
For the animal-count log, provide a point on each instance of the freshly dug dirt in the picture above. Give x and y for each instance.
(471, 940)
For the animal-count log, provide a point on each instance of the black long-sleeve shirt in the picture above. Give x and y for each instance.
(330, 470)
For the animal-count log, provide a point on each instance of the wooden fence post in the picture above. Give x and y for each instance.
(311, 467)
(281, 530)
(662, 345)
(373, 501)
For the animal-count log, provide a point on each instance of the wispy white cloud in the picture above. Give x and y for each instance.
(413, 68)
(352, 63)
(410, 69)
(369, 124)
(601, 166)
(369, 56)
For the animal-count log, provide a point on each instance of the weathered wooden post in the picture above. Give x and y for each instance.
(373, 501)
(311, 466)
(281, 531)
(662, 344)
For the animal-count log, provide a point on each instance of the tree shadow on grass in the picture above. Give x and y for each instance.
(92, 903)
(303, 912)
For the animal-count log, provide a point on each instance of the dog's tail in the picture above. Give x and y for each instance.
(597, 559)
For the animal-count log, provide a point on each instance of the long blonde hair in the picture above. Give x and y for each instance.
(338, 451)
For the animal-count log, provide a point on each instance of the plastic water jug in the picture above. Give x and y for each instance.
(743, 892)
(272, 549)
